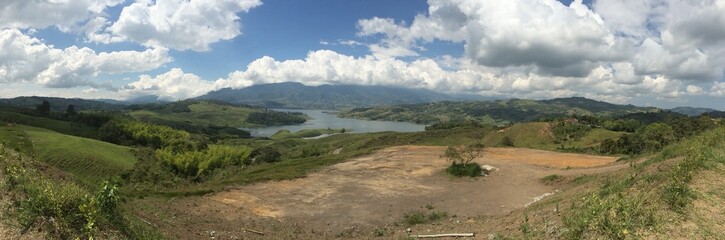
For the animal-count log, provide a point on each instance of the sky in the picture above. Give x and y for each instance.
(662, 53)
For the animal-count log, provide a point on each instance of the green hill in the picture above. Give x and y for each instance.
(61, 104)
(208, 113)
(297, 95)
(90, 161)
(501, 111)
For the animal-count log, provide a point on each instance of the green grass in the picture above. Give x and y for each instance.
(536, 135)
(634, 200)
(418, 217)
(305, 133)
(551, 178)
(76, 129)
(90, 161)
(202, 114)
(13, 137)
(532, 135)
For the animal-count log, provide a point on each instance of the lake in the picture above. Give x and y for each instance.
(322, 120)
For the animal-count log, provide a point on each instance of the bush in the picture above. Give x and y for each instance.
(506, 141)
(265, 154)
(466, 170)
(418, 217)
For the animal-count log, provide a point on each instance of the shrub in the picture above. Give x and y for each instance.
(265, 154)
(506, 141)
(466, 170)
(418, 217)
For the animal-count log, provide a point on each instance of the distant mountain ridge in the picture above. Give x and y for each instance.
(691, 111)
(297, 95)
(61, 104)
(498, 111)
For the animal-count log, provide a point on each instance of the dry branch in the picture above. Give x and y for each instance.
(254, 231)
(444, 235)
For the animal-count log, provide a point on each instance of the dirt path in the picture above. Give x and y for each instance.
(374, 190)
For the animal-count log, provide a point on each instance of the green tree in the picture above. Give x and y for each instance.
(461, 158)
(44, 108)
(71, 111)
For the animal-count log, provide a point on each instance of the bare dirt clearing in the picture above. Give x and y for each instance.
(370, 191)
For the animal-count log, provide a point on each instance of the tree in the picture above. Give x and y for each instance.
(71, 111)
(461, 158)
(464, 154)
(506, 141)
(44, 108)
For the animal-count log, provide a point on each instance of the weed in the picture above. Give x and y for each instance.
(379, 232)
(466, 170)
(551, 178)
(418, 217)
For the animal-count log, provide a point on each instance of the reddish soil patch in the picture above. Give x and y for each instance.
(367, 192)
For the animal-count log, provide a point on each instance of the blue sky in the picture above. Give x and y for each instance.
(643, 52)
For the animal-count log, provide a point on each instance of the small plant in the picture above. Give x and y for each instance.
(462, 157)
(418, 217)
(550, 178)
(379, 232)
(506, 141)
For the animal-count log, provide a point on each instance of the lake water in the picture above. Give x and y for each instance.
(322, 120)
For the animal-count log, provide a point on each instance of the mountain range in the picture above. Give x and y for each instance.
(297, 95)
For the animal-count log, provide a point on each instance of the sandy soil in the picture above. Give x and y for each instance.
(369, 192)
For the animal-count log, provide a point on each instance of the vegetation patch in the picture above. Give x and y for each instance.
(418, 217)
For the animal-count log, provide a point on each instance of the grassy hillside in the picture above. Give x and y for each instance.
(539, 135)
(199, 113)
(205, 113)
(60, 104)
(296, 95)
(10, 115)
(501, 111)
(90, 161)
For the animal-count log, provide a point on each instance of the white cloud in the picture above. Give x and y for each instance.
(27, 59)
(179, 24)
(552, 38)
(45, 13)
(172, 85)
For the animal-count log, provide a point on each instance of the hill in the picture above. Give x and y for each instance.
(213, 118)
(691, 111)
(297, 95)
(61, 104)
(88, 160)
(497, 111)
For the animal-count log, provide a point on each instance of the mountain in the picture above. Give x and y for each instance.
(498, 111)
(60, 104)
(297, 95)
(691, 111)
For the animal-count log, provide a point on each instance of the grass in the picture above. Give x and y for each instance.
(70, 128)
(550, 178)
(536, 135)
(202, 114)
(13, 137)
(305, 133)
(90, 161)
(633, 201)
(418, 217)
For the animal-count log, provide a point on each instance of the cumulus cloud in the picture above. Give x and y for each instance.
(552, 38)
(679, 39)
(27, 59)
(178, 24)
(610, 83)
(172, 85)
(45, 13)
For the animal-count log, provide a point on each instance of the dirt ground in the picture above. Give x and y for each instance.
(353, 198)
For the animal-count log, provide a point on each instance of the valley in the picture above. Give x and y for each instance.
(171, 176)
